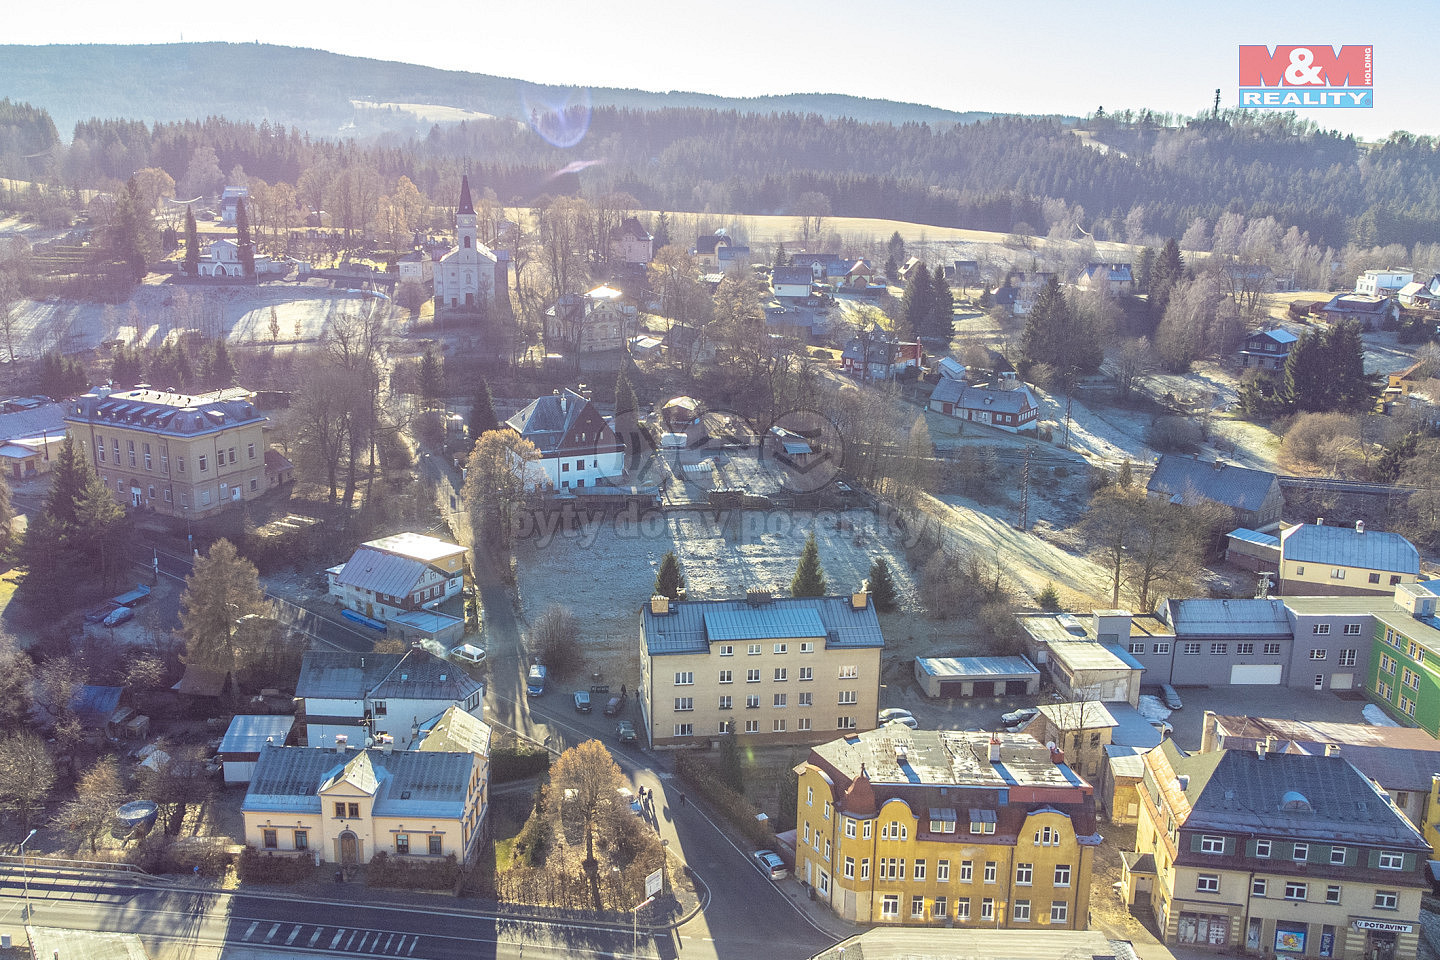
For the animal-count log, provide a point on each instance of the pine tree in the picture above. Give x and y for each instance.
(222, 588)
(68, 479)
(192, 244)
(730, 767)
(782, 259)
(7, 518)
(102, 527)
(482, 412)
(627, 419)
(895, 248)
(222, 368)
(1307, 383)
(661, 233)
(919, 300)
(882, 586)
(942, 307)
(242, 238)
(1126, 475)
(809, 580)
(668, 581)
(429, 376)
(1169, 270)
(1048, 598)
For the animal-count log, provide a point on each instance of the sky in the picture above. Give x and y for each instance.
(1043, 56)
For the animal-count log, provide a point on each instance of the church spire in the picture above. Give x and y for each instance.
(466, 206)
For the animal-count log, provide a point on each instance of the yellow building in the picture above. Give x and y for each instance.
(176, 454)
(1275, 853)
(961, 828)
(1316, 560)
(783, 670)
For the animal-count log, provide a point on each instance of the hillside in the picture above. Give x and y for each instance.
(313, 89)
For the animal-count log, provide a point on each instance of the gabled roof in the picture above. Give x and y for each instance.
(457, 732)
(691, 626)
(1344, 547)
(385, 573)
(631, 229)
(1398, 758)
(1278, 335)
(357, 772)
(708, 244)
(791, 275)
(93, 705)
(1237, 487)
(547, 420)
(875, 350)
(406, 783)
(421, 676)
(413, 675)
(962, 394)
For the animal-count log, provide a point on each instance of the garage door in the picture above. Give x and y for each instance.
(1016, 687)
(1342, 681)
(984, 688)
(1265, 673)
(951, 689)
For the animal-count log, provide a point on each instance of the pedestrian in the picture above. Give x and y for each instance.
(682, 799)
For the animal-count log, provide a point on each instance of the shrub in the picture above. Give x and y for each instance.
(556, 636)
(1174, 435)
(518, 763)
(257, 867)
(702, 775)
(158, 853)
(384, 870)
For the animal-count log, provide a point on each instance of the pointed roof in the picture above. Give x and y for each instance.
(358, 772)
(860, 796)
(466, 205)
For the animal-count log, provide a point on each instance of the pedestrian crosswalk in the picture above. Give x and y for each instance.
(309, 936)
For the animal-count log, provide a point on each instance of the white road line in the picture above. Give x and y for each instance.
(316, 935)
(251, 930)
(293, 934)
(271, 935)
(413, 943)
(361, 948)
(338, 935)
(388, 940)
(351, 942)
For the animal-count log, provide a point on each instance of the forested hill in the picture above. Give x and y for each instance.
(313, 89)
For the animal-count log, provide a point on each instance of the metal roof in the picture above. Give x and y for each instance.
(1344, 547)
(386, 573)
(416, 546)
(978, 666)
(1254, 536)
(457, 732)
(94, 705)
(691, 626)
(962, 394)
(1078, 715)
(165, 413)
(1089, 655)
(414, 675)
(421, 676)
(427, 621)
(249, 734)
(1398, 758)
(404, 783)
(1238, 487)
(897, 754)
(547, 420)
(1227, 618)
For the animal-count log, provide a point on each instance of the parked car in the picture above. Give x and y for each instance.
(1163, 727)
(1171, 696)
(582, 701)
(771, 863)
(469, 653)
(118, 616)
(625, 732)
(615, 704)
(894, 713)
(535, 681)
(99, 614)
(1018, 718)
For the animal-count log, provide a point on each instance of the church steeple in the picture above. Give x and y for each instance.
(466, 206)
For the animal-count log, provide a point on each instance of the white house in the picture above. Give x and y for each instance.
(631, 243)
(1383, 283)
(465, 277)
(367, 696)
(222, 259)
(395, 575)
(417, 266)
(577, 447)
(230, 201)
(792, 282)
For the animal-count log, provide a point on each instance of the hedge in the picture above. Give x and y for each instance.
(384, 870)
(257, 867)
(701, 774)
(508, 764)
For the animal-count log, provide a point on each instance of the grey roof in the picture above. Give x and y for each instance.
(1343, 547)
(962, 394)
(1125, 760)
(249, 734)
(977, 666)
(1398, 758)
(416, 546)
(1278, 335)
(692, 625)
(897, 755)
(792, 275)
(385, 573)
(164, 413)
(877, 350)
(426, 621)
(94, 704)
(1132, 728)
(414, 675)
(1237, 791)
(546, 420)
(1254, 536)
(930, 943)
(1238, 487)
(1226, 618)
(405, 782)
(456, 731)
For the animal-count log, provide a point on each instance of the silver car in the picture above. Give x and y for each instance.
(771, 863)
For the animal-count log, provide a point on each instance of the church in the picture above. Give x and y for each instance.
(465, 276)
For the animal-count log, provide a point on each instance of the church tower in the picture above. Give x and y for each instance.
(465, 220)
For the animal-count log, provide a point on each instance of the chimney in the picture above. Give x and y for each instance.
(1057, 756)
(757, 596)
(1262, 747)
(1219, 465)
(1332, 749)
(994, 749)
(659, 605)
(1319, 521)
(1360, 527)
(859, 600)
(341, 740)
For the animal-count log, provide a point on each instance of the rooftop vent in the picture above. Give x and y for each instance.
(758, 596)
(341, 740)
(1332, 749)
(1360, 526)
(659, 605)
(901, 754)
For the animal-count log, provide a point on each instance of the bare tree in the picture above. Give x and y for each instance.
(1135, 360)
(27, 773)
(100, 791)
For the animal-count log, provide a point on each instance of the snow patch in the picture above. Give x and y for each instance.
(1377, 717)
(1152, 709)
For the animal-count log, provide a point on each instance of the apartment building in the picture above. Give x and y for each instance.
(781, 670)
(176, 454)
(1405, 653)
(364, 697)
(1316, 559)
(1274, 853)
(932, 827)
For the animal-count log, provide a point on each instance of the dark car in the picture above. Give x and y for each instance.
(615, 704)
(582, 701)
(625, 732)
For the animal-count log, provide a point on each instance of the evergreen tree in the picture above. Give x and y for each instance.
(429, 376)
(627, 418)
(882, 586)
(68, 479)
(103, 530)
(1048, 598)
(1126, 475)
(892, 270)
(661, 233)
(222, 368)
(222, 588)
(730, 766)
(782, 259)
(274, 326)
(669, 581)
(1144, 266)
(482, 412)
(132, 236)
(192, 244)
(1169, 270)
(942, 308)
(7, 517)
(242, 238)
(919, 300)
(42, 554)
(987, 298)
(895, 249)
(809, 580)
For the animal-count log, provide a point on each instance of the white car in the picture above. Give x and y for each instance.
(469, 653)
(1018, 718)
(899, 715)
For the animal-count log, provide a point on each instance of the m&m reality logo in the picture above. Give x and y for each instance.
(1316, 75)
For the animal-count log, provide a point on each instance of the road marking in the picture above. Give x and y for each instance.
(271, 935)
(389, 940)
(363, 939)
(251, 930)
(338, 935)
(293, 934)
(316, 935)
(413, 943)
(351, 942)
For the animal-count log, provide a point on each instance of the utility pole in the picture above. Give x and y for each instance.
(1068, 401)
(1025, 493)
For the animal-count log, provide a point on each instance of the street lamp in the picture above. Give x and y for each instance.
(635, 914)
(25, 866)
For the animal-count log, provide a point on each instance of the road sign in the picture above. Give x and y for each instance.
(652, 884)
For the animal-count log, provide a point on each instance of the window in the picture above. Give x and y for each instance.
(254, 483)
(919, 873)
(271, 839)
(849, 696)
(983, 826)
(1047, 837)
(727, 703)
(685, 679)
(778, 726)
(1059, 911)
(1190, 649)
(1337, 855)
(865, 829)
(204, 463)
(1294, 890)
(1160, 648)
(1317, 653)
(917, 906)
(204, 498)
(354, 811)
(809, 796)
(1210, 844)
(752, 726)
(1390, 860)
(781, 648)
(894, 830)
(1020, 913)
(302, 839)
(1218, 648)
(402, 843)
(1271, 649)
(1387, 663)
(890, 905)
(147, 456)
(433, 844)
(251, 451)
(131, 446)
(942, 907)
(849, 673)
(987, 909)
(807, 673)
(687, 730)
(807, 647)
(805, 699)
(1207, 883)
(752, 701)
(849, 828)
(1137, 648)
(727, 650)
(1320, 629)
(753, 650)
(727, 676)
(100, 447)
(1337, 573)
(752, 676)
(1062, 875)
(1374, 578)
(989, 871)
(780, 675)
(827, 849)
(1394, 579)
(1024, 874)
(962, 909)
(942, 826)
(967, 871)
(849, 871)
(684, 704)
(1353, 629)
(1387, 900)
(1347, 658)
(1245, 649)
(115, 445)
(942, 871)
(1300, 852)
(1258, 887)
(1332, 893)
(803, 723)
